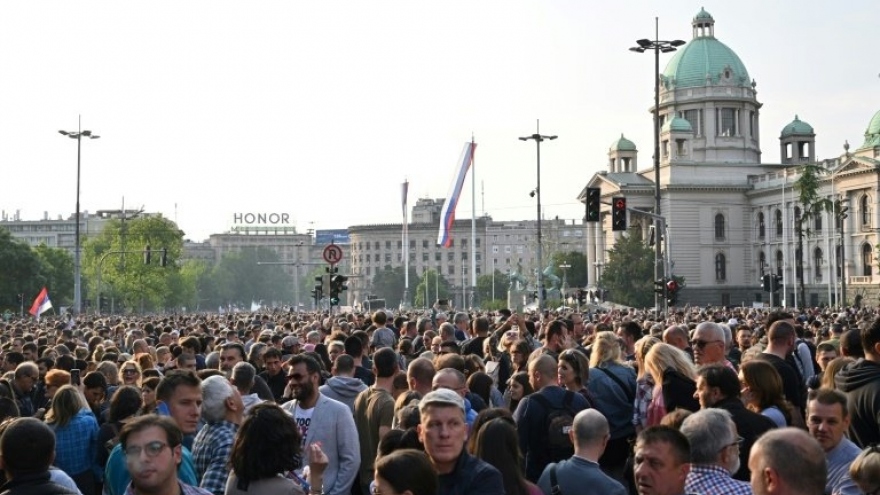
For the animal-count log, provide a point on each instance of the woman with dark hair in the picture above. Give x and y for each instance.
(148, 395)
(573, 373)
(498, 444)
(480, 383)
(762, 392)
(482, 418)
(517, 387)
(406, 470)
(124, 406)
(519, 355)
(267, 449)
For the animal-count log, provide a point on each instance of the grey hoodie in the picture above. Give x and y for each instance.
(344, 389)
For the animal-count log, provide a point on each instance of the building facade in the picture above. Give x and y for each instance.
(730, 217)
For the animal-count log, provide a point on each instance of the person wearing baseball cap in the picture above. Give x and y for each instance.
(443, 431)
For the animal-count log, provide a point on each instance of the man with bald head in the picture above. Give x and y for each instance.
(532, 414)
(677, 336)
(589, 433)
(709, 345)
(787, 461)
(452, 379)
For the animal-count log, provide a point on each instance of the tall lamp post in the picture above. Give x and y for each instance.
(666, 47)
(77, 267)
(539, 138)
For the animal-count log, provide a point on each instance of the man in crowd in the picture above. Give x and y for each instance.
(27, 450)
(420, 375)
(382, 335)
(179, 393)
(709, 345)
(453, 379)
(715, 458)
(443, 431)
(861, 383)
(718, 386)
(825, 353)
(781, 339)
(589, 434)
(630, 332)
(153, 452)
(828, 420)
(532, 413)
(462, 326)
(232, 353)
(661, 461)
(374, 412)
(676, 336)
(243, 376)
(274, 375)
(25, 378)
(474, 345)
(343, 386)
(787, 461)
(325, 422)
(223, 412)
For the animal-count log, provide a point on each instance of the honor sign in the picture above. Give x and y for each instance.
(261, 218)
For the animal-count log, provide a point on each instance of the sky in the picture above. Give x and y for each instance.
(320, 110)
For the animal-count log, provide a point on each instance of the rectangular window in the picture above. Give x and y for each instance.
(464, 256)
(506, 249)
(399, 244)
(376, 257)
(727, 121)
(425, 257)
(387, 257)
(450, 270)
(388, 245)
(438, 256)
(412, 244)
(450, 256)
(477, 241)
(693, 117)
(368, 271)
(425, 244)
(752, 129)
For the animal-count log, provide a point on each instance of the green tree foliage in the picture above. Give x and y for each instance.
(629, 272)
(21, 272)
(429, 285)
(195, 278)
(388, 284)
(239, 280)
(576, 275)
(485, 287)
(56, 265)
(807, 187)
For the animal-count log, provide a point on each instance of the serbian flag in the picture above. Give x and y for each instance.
(41, 304)
(447, 215)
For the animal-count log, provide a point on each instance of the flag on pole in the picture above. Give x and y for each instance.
(447, 215)
(41, 304)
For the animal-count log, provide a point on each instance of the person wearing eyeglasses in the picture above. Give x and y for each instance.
(828, 420)
(153, 448)
(715, 446)
(709, 345)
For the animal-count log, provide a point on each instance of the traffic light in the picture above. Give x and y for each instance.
(659, 286)
(775, 282)
(671, 292)
(147, 255)
(593, 204)
(618, 214)
(765, 283)
(337, 286)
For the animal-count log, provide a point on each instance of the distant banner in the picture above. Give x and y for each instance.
(447, 215)
(332, 236)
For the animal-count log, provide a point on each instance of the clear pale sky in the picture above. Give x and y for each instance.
(321, 109)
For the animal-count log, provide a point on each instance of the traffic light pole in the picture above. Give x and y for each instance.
(661, 263)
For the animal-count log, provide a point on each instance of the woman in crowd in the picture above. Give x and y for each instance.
(573, 372)
(124, 406)
(834, 366)
(762, 392)
(644, 383)
(268, 447)
(865, 471)
(518, 386)
(519, 355)
(497, 443)
(54, 380)
(674, 376)
(406, 470)
(482, 418)
(612, 385)
(76, 438)
(130, 373)
(148, 394)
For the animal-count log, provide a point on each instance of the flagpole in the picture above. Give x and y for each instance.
(473, 220)
(405, 248)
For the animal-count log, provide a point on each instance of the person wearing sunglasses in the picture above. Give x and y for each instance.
(709, 345)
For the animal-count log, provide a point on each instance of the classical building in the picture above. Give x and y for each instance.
(730, 217)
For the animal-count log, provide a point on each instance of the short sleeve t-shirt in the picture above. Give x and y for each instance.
(303, 419)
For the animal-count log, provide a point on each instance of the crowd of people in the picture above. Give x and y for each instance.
(702, 400)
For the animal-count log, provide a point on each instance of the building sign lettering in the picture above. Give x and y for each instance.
(261, 218)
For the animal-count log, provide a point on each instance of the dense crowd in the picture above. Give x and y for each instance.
(702, 400)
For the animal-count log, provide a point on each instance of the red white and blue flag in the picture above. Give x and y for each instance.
(41, 304)
(447, 215)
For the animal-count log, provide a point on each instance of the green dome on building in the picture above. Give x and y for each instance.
(705, 60)
(797, 127)
(677, 124)
(623, 144)
(872, 134)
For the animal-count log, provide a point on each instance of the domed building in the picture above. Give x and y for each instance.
(730, 217)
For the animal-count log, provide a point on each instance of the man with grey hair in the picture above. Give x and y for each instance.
(709, 345)
(243, 375)
(223, 411)
(447, 332)
(461, 321)
(787, 461)
(715, 448)
(589, 434)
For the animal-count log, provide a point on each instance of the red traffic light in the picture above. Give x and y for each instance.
(620, 204)
(672, 286)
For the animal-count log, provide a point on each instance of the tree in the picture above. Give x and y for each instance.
(807, 187)
(576, 274)
(20, 271)
(429, 285)
(629, 272)
(56, 265)
(240, 280)
(489, 286)
(389, 283)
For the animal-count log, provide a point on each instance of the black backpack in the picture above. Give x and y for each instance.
(559, 421)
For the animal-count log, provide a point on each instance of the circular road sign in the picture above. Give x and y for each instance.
(332, 254)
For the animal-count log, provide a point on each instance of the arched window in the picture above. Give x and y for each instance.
(778, 223)
(779, 263)
(817, 223)
(761, 232)
(867, 259)
(817, 264)
(719, 227)
(864, 210)
(720, 267)
(762, 263)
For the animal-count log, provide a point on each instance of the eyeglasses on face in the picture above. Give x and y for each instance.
(701, 344)
(152, 449)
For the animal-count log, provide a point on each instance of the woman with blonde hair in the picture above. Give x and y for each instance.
(644, 383)
(674, 376)
(834, 366)
(762, 392)
(612, 386)
(76, 437)
(865, 470)
(130, 373)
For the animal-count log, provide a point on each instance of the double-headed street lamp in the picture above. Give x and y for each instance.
(666, 47)
(538, 138)
(77, 267)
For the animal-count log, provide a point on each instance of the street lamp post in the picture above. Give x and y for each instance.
(77, 267)
(539, 138)
(666, 47)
